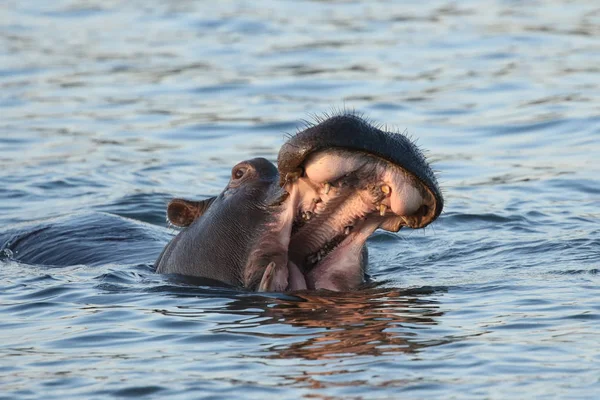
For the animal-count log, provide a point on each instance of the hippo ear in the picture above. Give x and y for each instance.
(182, 212)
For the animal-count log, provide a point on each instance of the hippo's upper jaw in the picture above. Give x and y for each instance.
(337, 182)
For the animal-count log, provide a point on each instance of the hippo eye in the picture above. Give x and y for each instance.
(238, 173)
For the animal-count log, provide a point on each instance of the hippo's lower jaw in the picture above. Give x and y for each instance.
(303, 225)
(335, 200)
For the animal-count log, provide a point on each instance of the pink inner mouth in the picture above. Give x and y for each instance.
(335, 203)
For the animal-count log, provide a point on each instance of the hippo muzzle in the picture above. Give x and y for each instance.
(304, 224)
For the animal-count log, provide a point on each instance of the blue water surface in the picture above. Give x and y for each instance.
(112, 108)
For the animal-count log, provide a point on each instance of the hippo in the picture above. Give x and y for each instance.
(303, 224)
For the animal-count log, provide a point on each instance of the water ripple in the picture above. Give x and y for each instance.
(109, 109)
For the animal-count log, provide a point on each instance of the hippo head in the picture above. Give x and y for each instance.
(304, 224)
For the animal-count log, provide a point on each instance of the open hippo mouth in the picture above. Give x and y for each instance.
(304, 225)
(343, 179)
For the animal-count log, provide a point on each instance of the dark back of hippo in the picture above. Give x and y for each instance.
(84, 239)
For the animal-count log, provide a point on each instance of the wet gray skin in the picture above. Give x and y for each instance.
(304, 224)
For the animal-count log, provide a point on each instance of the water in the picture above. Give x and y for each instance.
(115, 107)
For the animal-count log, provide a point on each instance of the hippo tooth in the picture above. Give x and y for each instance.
(278, 201)
(267, 279)
(347, 230)
(382, 209)
(308, 215)
(385, 189)
(327, 187)
(293, 175)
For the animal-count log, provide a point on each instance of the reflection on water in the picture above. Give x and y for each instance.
(371, 322)
(360, 323)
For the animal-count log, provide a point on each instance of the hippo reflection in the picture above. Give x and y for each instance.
(303, 225)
